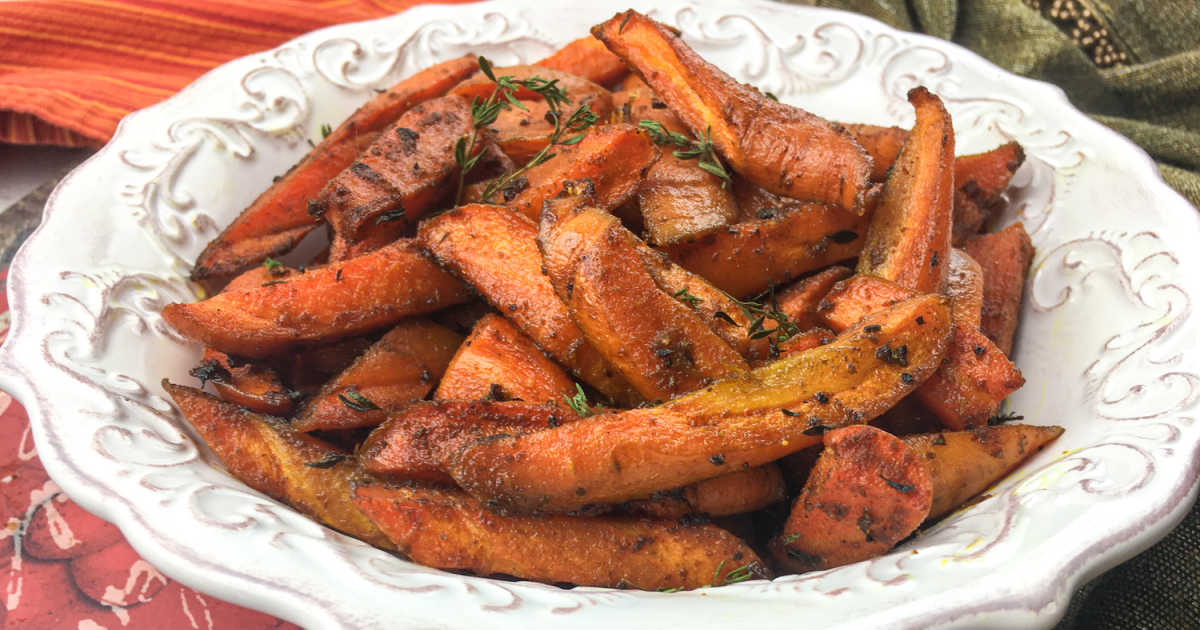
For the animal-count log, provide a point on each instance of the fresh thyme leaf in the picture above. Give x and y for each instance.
(771, 96)
(690, 299)
(897, 486)
(211, 370)
(390, 215)
(485, 67)
(579, 402)
(357, 401)
(740, 574)
(791, 538)
(329, 461)
(274, 267)
(326, 129)
(1001, 418)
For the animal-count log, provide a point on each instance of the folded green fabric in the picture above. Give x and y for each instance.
(1153, 98)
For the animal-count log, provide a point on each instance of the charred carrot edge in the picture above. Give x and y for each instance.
(746, 421)
(867, 492)
(498, 362)
(410, 444)
(975, 376)
(495, 251)
(254, 386)
(279, 217)
(589, 58)
(908, 241)
(399, 369)
(779, 147)
(339, 300)
(267, 455)
(447, 529)
(1004, 258)
(747, 258)
(680, 201)
(799, 300)
(964, 463)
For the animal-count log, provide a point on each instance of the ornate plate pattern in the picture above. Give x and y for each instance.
(1103, 343)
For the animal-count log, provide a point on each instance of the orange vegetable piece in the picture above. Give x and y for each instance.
(1004, 259)
(964, 287)
(498, 362)
(587, 57)
(252, 385)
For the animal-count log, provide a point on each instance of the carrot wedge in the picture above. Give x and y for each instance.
(481, 86)
(266, 454)
(964, 287)
(658, 344)
(498, 362)
(399, 369)
(1004, 258)
(779, 147)
(738, 492)
(252, 385)
(908, 241)
(964, 463)
(680, 201)
(883, 144)
(495, 250)
(979, 179)
(447, 529)
(412, 442)
(744, 421)
(589, 58)
(975, 376)
(867, 492)
(799, 300)
(522, 133)
(747, 258)
(339, 300)
(279, 218)
(401, 175)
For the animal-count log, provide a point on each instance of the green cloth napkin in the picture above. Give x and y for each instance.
(1150, 92)
(1153, 98)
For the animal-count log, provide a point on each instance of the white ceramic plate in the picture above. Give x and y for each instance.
(1104, 341)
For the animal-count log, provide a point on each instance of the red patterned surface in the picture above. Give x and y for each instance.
(64, 568)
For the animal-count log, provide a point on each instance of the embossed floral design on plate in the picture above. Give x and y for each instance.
(1103, 341)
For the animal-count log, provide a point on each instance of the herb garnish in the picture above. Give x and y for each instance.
(326, 129)
(274, 267)
(211, 370)
(740, 574)
(329, 461)
(357, 401)
(579, 403)
(484, 113)
(1001, 418)
(703, 150)
(684, 296)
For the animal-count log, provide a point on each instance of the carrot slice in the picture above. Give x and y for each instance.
(587, 57)
(964, 463)
(498, 362)
(1004, 258)
(779, 147)
(799, 300)
(738, 492)
(975, 376)
(908, 241)
(266, 454)
(252, 385)
(399, 369)
(744, 421)
(447, 529)
(279, 218)
(964, 287)
(495, 250)
(339, 300)
(867, 492)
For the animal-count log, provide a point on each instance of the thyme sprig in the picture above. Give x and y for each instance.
(503, 96)
(579, 403)
(758, 312)
(689, 148)
(683, 296)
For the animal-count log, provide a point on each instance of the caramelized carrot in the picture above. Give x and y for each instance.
(867, 492)
(975, 376)
(1004, 259)
(279, 218)
(254, 386)
(522, 133)
(587, 57)
(883, 144)
(738, 492)
(339, 300)
(744, 421)
(494, 250)
(908, 241)
(964, 287)
(447, 529)
(680, 201)
(779, 147)
(402, 367)
(481, 86)
(498, 362)
(799, 300)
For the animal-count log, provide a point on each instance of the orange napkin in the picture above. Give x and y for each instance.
(70, 69)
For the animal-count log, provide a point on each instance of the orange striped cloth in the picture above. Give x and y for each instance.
(70, 69)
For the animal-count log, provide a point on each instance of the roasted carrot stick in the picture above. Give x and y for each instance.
(587, 57)
(522, 133)
(975, 376)
(680, 201)
(744, 421)
(964, 287)
(779, 147)
(498, 362)
(448, 529)
(883, 144)
(481, 86)
(402, 367)
(908, 241)
(495, 251)
(747, 258)
(339, 300)
(867, 492)
(738, 492)
(1004, 258)
(266, 454)
(964, 463)
(254, 386)
(799, 300)
(279, 218)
